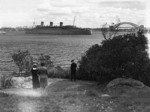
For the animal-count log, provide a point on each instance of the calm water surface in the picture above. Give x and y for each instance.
(61, 48)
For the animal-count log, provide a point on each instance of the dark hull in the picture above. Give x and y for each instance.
(59, 31)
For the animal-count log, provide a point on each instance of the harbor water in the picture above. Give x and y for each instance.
(61, 48)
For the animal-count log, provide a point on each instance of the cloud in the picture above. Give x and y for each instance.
(50, 8)
(147, 22)
(15, 18)
(89, 13)
(124, 4)
(63, 7)
(95, 12)
(66, 3)
(54, 11)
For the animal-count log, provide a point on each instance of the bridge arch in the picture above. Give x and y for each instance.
(129, 23)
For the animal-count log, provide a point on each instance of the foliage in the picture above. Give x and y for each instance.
(53, 72)
(58, 72)
(46, 59)
(23, 60)
(121, 56)
(6, 81)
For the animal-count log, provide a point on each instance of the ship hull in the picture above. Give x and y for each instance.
(59, 31)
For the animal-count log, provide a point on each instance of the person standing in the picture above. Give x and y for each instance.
(73, 70)
(35, 78)
(42, 71)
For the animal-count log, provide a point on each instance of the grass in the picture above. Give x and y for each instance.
(80, 96)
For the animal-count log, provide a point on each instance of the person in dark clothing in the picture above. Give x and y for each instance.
(35, 78)
(73, 70)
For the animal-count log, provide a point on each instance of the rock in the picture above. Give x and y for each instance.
(147, 109)
(22, 82)
(105, 95)
(28, 79)
(128, 82)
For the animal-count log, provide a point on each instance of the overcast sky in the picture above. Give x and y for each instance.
(89, 13)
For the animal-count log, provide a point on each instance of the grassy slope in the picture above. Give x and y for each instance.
(80, 96)
(88, 97)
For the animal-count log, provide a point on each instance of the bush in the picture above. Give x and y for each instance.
(58, 72)
(23, 60)
(6, 82)
(121, 56)
(46, 59)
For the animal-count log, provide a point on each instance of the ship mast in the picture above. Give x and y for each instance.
(74, 20)
(34, 23)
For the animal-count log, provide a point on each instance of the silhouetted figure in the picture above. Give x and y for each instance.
(73, 70)
(42, 71)
(35, 78)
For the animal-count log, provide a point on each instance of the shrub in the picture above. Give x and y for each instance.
(46, 59)
(6, 82)
(58, 72)
(121, 56)
(23, 60)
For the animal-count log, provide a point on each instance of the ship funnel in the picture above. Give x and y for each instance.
(61, 24)
(51, 23)
(42, 23)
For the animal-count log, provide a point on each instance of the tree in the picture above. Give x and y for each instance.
(46, 59)
(121, 56)
(23, 60)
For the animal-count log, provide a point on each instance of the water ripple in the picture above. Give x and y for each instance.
(61, 48)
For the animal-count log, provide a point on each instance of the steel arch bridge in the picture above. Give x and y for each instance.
(128, 23)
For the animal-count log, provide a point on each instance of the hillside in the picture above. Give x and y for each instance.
(80, 96)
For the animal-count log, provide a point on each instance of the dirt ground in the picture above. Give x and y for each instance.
(79, 96)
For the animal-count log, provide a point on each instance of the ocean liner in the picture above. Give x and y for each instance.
(58, 30)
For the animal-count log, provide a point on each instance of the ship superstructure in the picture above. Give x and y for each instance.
(58, 30)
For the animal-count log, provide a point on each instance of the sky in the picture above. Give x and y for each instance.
(87, 13)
